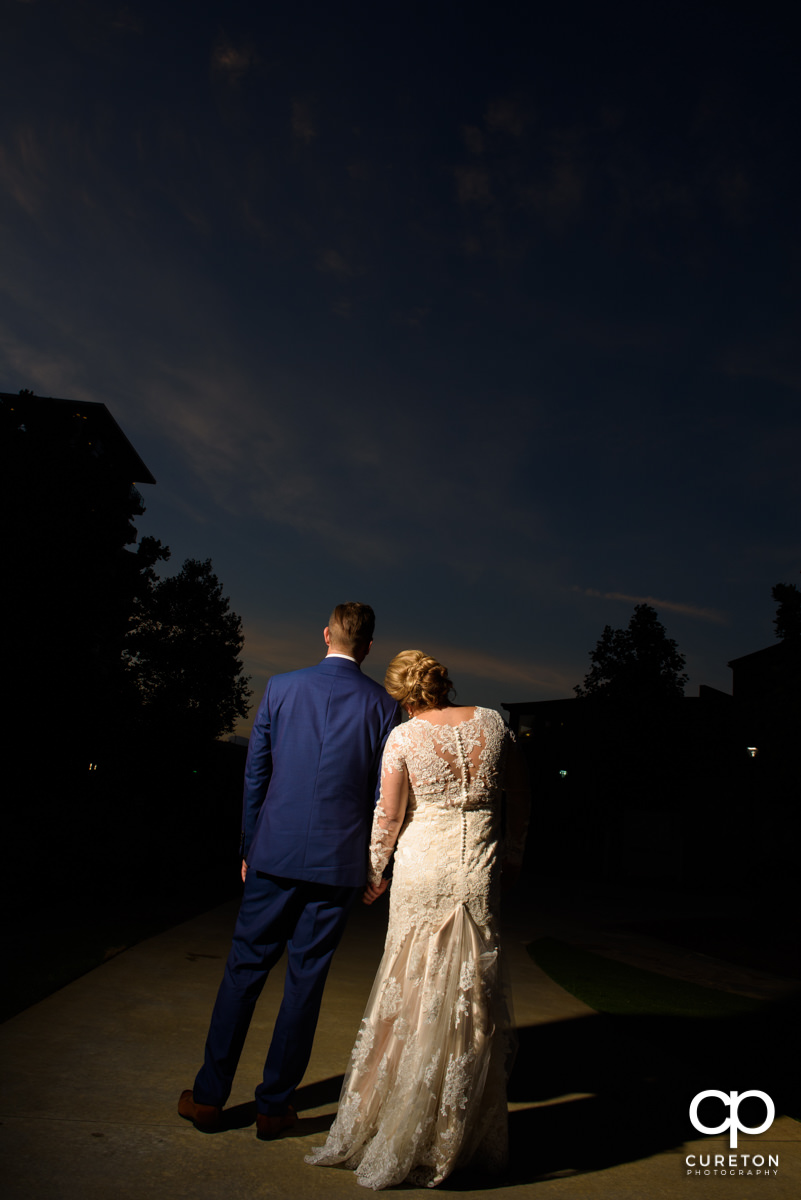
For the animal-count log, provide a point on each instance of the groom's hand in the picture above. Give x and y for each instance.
(372, 892)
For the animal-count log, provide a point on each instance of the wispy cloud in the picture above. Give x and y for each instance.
(267, 652)
(735, 193)
(266, 446)
(557, 196)
(473, 139)
(335, 263)
(232, 62)
(507, 115)
(125, 20)
(255, 458)
(776, 359)
(303, 125)
(686, 610)
(472, 185)
(284, 647)
(46, 372)
(22, 169)
(461, 660)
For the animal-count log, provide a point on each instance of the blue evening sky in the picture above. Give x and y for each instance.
(484, 314)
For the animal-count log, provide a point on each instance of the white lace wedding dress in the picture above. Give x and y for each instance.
(426, 1088)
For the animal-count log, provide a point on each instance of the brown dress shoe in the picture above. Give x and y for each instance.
(205, 1117)
(268, 1128)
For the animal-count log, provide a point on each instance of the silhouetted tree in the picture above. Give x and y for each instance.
(149, 552)
(182, 651)
(637, 664)
(788, 615)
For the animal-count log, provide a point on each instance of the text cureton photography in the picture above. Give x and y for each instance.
(732, 1164)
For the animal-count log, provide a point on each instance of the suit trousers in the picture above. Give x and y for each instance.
(308, 920)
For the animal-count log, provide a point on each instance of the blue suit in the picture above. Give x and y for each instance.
(311, 781)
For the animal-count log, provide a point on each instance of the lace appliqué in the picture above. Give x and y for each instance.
(457, 1077)
(382, 842)
(390, 999)
(364, 1044)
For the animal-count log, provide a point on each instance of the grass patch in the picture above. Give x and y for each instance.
(682, 1033)
(614, 987)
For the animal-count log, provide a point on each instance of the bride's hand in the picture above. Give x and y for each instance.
(372, 892)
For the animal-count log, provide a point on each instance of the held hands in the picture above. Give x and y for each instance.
(372, 892)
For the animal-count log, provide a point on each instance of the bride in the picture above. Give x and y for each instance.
(426, 1088)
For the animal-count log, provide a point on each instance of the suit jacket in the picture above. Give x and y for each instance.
(313, 773)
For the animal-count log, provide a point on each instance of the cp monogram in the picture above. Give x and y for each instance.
(732, 1100)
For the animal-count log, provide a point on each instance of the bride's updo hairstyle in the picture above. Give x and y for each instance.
(416, 679)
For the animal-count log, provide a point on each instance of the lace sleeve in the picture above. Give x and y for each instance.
(518, 800)
(390, 809)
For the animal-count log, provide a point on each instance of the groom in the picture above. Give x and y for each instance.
(311, 782)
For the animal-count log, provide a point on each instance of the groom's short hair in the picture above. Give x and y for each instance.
(351, 625)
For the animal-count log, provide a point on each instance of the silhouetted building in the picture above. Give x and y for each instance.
(767, 694)
(769, 673)
(63, 431)
(68, 474)
(693, 791)
(68, 502)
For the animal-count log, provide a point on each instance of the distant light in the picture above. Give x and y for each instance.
(92, 766)
(752, 751)
(563, 773)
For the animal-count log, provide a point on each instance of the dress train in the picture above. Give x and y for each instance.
(411, 1104)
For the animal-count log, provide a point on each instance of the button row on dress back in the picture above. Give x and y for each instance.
(463, 764)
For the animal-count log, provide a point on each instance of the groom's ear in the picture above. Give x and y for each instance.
(327, 636)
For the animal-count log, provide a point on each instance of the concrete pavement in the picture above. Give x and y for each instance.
(92, 1077)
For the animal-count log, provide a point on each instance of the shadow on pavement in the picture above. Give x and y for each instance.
(314, 1095)
(628, 1083)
